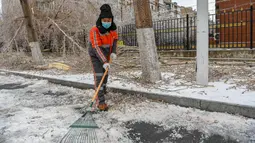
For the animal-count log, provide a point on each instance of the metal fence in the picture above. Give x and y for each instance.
(233, 29)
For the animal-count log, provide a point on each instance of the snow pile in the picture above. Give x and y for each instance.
(221, 91)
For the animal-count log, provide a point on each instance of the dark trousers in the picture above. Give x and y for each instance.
(98, 75)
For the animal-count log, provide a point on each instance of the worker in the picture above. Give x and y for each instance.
(103, 43)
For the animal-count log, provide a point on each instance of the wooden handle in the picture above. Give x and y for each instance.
(99, 86)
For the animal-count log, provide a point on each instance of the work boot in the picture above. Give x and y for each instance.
(103, 107)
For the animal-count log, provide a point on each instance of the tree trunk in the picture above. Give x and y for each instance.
(146, 41)
(157, 5)
(32, 37)
(64, 47)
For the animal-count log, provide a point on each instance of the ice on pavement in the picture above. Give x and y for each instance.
(42, 113)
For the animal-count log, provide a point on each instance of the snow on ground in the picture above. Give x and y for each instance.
(35, 111)
(40, 112)
(170, 116)
(222, 91)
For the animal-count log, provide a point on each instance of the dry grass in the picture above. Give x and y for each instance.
(16, 61)
(78, 63)
(22, 61)
(242, 75)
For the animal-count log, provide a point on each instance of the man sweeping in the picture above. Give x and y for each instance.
(103, 43)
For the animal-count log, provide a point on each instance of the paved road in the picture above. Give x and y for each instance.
(151, 133)
(34, 111)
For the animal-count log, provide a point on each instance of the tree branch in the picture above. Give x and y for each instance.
(16, 33)
(71, 39)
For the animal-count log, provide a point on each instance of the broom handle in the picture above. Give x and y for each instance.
(98, 88)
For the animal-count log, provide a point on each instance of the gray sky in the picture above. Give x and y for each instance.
(0, 6)
(193, 3)
(180, 2)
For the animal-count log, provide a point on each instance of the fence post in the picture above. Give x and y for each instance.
(119, 32)
(187, 35)
(84, 37)
(251, 29)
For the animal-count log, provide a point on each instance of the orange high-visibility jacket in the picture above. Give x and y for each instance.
(103, 44)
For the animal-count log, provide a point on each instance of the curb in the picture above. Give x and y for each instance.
(213, 106)
(78, 85)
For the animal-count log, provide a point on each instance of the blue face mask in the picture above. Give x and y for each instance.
(106, 25)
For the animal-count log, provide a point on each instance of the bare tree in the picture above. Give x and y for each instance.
(157, 5)
(32, 36)
(146, 41)
(58, 24)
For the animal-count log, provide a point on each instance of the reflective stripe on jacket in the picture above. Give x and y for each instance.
(103, 44)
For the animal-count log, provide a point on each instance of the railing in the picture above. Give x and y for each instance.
(233, 29)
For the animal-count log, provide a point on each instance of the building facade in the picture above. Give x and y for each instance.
(166, 8)
(235, 23)
(188, 10)
(160, 9)
(230, 5)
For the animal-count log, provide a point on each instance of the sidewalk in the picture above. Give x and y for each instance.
(222, 96)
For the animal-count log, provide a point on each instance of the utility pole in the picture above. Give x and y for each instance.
(31, 33)
(202, 42)
(146, 41)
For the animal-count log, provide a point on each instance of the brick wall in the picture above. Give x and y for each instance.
(234, 21)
